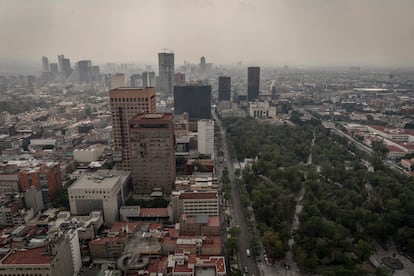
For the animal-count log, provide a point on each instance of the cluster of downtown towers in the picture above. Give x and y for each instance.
(144, 140)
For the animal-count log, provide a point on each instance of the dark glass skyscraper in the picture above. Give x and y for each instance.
(253, 82)
(224, 88)
(166, 72)
(193, 99)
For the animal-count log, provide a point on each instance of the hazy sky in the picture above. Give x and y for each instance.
(299, 32)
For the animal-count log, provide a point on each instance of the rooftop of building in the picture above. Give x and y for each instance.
(151, 118)
(153, 212)
(105, 240)
(132, 92)
(101, 179)
(198, 195)
(120, 226)
(28, 256)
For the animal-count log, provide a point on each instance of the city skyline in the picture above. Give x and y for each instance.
(372, 32)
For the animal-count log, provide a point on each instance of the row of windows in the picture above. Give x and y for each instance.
(129, 99)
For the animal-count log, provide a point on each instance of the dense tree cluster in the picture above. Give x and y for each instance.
(345, 207)
(275, 178)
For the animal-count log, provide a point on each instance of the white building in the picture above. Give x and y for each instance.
(72, 235)
(262, 110)
(194, 203)
(104, 190)
(87, 155)
(206, 137)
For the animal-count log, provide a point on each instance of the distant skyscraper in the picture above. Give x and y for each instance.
(193, 99)
(148, 79)
(60, 62)
(136, 80)
(166, 72)
(83, 71)
(54, 70)
(152, 149)
(253, 82)
(202, 65)
(118, 80)
(94, 74)
(66, 68)
(45, 65)
(224, 88)
(179, 78)
(125, 103)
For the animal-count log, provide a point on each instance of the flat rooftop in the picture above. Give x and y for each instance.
(102, 179)
(28, 256)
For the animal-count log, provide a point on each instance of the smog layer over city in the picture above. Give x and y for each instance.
(207, 137)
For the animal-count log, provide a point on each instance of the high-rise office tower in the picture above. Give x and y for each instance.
(60, 62)
(118, 80)
(136, 80)
(83, 71)
(125, 103)
(205, 139)
(148, 79)
(152, 149)
(54, 70)
(253, 82)
(179, 79)
(194, 99)
(224, 88)
(66, 68)
(166, 72)
(45, 64)
(94, 74)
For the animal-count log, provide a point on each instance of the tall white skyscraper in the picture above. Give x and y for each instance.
(205, 140)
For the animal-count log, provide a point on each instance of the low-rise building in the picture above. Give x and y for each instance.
(103, 190)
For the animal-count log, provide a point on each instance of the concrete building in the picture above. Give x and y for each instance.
(118, 80)
(33, 199)
(200, 225)
(224, 88)
(73, 239)
(166, 73)
(194, 203)
(135, 80)
(148, 79)
(103, 190)
(87, 155)
(205, 142)
(194, 99)
(46, 177)
(152, 149)
(179, 79)
(253, 83)
(262, 110)
(53, 259)
(9, 180)
(125, 103)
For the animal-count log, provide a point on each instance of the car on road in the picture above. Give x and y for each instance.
(245, 269)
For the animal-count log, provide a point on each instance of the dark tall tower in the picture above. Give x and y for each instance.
(253, 82)
(45, 64)
(193, 99)
(152, 151)
(224, 88)
(166, 72)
